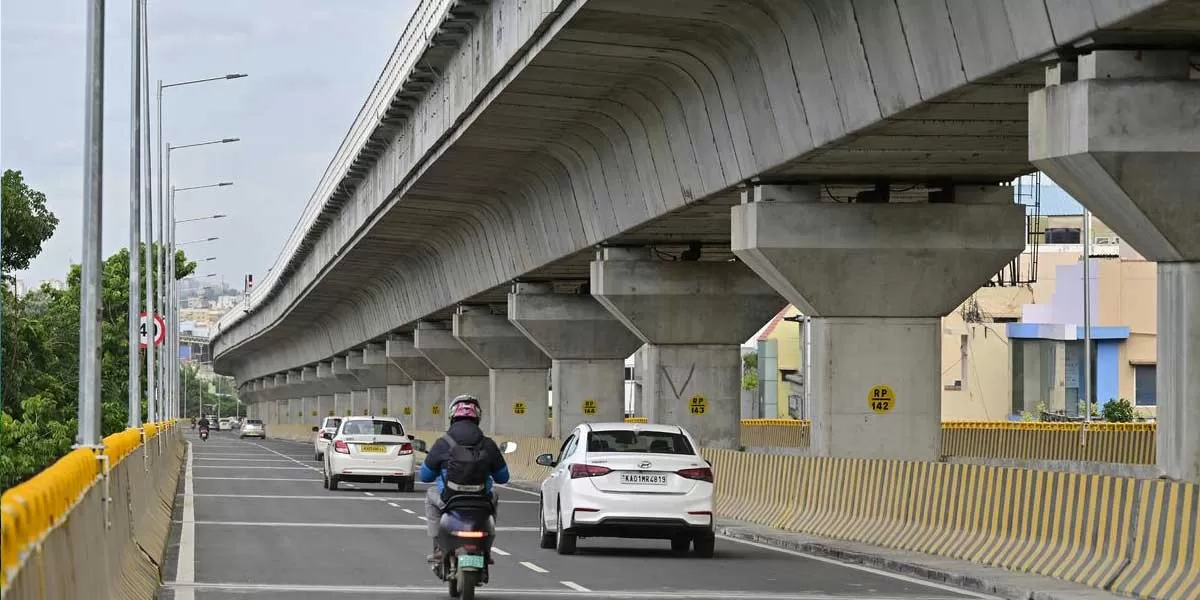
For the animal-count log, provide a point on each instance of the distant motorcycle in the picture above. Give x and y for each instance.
(204, 435)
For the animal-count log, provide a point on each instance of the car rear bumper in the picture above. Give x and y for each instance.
(640, 527)
(353, 469)
(590, 512)
(257, 434)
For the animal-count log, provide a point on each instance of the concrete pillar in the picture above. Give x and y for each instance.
(296, 410)
(695, 316)
(398, 400)
(518, 378)
(360, 403)
(587, 346)
(428, 383)
(464, 374)
(1120, 131)
(324, 408)
(341, 404)
(880, 276)
(377, 401)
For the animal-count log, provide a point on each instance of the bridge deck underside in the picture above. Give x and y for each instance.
(571, 105)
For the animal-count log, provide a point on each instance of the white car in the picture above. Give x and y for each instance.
(628, 480)
(324, 434)
(370, 450)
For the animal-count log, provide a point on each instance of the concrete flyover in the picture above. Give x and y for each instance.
(580, 178)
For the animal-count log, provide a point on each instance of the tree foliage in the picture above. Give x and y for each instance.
(1119, 411)
(26, 223)
(40, 358)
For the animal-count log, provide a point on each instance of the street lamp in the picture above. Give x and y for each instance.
(155, 399)
(200, 241)
(171, 369)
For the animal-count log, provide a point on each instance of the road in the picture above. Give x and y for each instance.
(253, 522)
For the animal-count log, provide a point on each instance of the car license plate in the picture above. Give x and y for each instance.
(470, 561)
(373, 448)
(644, 478)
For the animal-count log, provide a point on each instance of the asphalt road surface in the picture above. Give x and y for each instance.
(253, 522)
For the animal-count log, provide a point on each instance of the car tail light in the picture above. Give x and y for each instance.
(579, 471)
(406, 448)
(341, 447)
(698, 473)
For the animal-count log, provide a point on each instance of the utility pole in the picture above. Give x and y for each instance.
(93, 211)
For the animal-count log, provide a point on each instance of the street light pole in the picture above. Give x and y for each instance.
(93, 211)
(135, 217)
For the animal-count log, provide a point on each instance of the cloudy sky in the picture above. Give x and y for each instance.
(311, 65)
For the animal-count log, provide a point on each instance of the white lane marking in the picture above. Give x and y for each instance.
(254, 467)
(517, 529)
(185, 570)
(309, 467)
(570, 584)
(368, 494)
(888, 574)
(297, 497)
(409, 511)
(426, 519)
(257, 479)
(393, 505)
(517, 489)
(426, 591)
(249, 460)
(533, 567)
(500, 552)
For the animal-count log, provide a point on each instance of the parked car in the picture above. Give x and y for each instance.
(324, 433)
(628, 480)
(370, 450)
(253, 428)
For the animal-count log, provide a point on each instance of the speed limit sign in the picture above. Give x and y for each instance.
(160, 330)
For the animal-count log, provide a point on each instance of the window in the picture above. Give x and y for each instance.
(1145, 385)
(644, 442)
(254, 421)
(568, 445)
(365, 427)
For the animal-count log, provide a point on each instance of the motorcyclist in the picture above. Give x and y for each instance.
(193, 422)
(465, 413)
(203, 424)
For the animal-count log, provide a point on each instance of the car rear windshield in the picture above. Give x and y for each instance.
(333, 422)
(364, 427)
(645, 442)
(254, 421)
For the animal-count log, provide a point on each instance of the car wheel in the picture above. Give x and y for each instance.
(333, 482)
(564, 542)
(407, 485)
(546, 537)
(680, 545)
(705, 545)
(325, 479)
(317, 457)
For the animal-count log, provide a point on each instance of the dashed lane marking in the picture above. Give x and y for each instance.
(533, 567)
(500, 552)
(408, 511)
(570, 584)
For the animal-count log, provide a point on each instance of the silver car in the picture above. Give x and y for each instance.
(253, 428)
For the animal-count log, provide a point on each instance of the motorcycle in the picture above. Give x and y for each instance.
(465, 535)
(204, 434)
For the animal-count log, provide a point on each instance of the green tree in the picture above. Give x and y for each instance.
(1118, 411)
(25, 221)
(750, 371)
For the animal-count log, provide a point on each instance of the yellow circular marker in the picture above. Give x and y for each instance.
(590, 408)
(518, 408)
(437, 410)
(331, 412)
(698, 405)
(408, 410)
(881, 399)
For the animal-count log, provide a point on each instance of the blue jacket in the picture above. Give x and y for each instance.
(466, 433)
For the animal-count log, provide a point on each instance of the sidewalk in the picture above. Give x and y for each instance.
(1002, 583)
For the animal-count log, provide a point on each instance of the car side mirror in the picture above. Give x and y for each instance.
(411, 437)
(316, 429)
(545, 460)
(420, 445)
(327, 435)
(709, 462)
(508, 447)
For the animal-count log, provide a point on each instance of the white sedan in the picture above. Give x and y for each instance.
(325, 433)
(628, 480)
(370, 450)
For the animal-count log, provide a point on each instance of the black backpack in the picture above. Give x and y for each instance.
(466, 469)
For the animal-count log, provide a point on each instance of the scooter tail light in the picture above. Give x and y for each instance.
(470, 534)
(340, 447)
(579, 471)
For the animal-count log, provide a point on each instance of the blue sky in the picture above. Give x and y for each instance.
(311, 65)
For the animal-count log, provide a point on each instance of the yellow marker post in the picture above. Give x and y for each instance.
(407, 410)
(698, 405)
(435, 409)
(881, 399)
(590, 408)
(518, 408)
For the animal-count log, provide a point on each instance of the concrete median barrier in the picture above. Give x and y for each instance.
(1128, 443)
(93, 525)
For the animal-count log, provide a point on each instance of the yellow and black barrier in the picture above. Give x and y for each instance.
(1125, 443)
(93, 525)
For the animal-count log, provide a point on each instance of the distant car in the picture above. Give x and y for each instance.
(253, 428)
(324, 433)
(628, 480)
(370, 450)
(224, 424)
